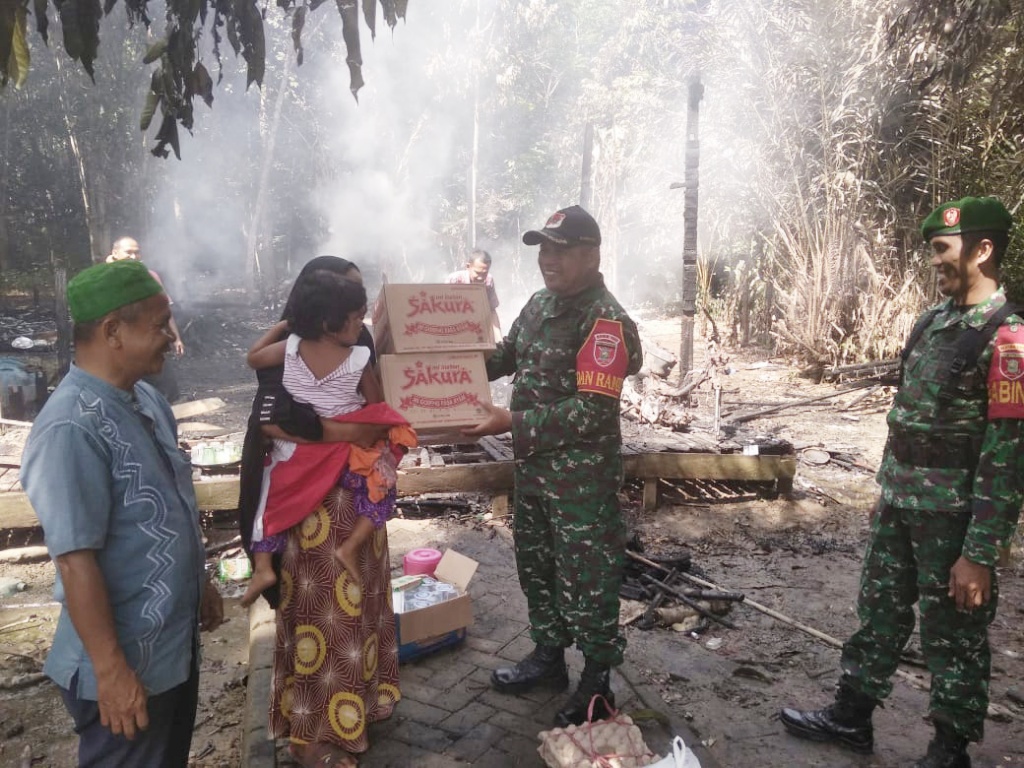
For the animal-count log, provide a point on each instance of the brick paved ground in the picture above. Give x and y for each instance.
(449, 715)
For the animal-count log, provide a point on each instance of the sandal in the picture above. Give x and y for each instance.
(321, 755)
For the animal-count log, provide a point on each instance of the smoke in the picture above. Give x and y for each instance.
(384, 181)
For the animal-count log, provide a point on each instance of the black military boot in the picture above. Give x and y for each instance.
(946, 750)
(596, 679)
(544, 667)
(846, 722)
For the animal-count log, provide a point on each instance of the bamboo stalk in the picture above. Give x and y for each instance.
(818, 634)
(681, 597)
(841, 369)
(753, 604)
(765, 412)
(862, 396)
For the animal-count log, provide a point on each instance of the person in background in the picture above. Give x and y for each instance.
(128, 248)
(115, 498)
(569, 350)
(478, 271)
(952, 481)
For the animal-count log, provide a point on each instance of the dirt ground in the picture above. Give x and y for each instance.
(798, 554)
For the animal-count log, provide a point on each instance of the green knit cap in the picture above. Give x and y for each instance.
(968, 214)
(102, 288)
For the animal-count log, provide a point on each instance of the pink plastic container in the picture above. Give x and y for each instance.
(420, 562)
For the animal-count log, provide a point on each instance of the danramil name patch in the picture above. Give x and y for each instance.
(602, 360)
(1006, 375)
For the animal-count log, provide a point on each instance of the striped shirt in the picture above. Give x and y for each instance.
(334, 394)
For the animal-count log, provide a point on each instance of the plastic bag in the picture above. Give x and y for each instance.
(681, 757)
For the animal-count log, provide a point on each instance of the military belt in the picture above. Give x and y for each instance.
(935, 451)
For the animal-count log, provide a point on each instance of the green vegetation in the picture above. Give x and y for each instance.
(828, 131)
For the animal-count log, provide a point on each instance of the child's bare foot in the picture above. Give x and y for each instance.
(260, 581)
(349, 557)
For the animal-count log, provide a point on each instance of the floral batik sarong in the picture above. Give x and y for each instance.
(336, 655)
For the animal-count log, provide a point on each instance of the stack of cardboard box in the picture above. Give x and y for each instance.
(431, 340)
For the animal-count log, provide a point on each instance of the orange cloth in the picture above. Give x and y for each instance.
(363, 461)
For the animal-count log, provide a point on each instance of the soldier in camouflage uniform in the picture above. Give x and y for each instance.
(951, 489)
(569, 350)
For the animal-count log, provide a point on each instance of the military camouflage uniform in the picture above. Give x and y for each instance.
(569, 530)
(951, 485)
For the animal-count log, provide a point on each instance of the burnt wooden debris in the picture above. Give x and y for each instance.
(688, 466)
(655, 582)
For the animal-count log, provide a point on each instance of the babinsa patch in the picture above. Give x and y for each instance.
(1006, 374)
(602, 360)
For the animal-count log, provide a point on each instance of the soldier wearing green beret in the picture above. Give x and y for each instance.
(952, 482)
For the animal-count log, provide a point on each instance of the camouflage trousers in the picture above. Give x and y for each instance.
(570, 558)
(908, 560)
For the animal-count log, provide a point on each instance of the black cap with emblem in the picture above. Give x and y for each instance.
(569, 226)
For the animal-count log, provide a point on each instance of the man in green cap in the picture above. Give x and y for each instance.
(952, 482)
(115, 498)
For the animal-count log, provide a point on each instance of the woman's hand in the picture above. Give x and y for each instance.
(363, 435)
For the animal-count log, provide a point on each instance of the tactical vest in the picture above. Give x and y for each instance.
(969, 346)
(937, 449)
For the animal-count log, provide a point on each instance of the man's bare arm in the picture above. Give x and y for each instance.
(121, 697)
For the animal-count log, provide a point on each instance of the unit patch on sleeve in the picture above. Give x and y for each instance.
(1006, 374)
(602, 360)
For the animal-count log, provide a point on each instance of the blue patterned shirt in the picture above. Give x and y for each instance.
(103, 472)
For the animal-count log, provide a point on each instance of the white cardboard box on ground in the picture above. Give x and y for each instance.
(437, 391)
(429, 317)
(425, 624)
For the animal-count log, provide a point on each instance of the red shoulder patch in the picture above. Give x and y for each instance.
(1006, 374)
(602, 360)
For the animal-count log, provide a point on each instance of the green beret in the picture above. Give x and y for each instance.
(969, 214)
(102, 288)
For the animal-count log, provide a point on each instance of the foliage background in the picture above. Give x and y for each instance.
(828, 130)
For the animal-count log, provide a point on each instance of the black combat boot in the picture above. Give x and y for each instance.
(595, 680)
(946, 750)
(544, 667)
(846, 722)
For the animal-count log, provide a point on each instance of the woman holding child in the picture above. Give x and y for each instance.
(336, 655)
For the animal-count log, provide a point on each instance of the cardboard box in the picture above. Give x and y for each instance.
(438, 392)
(430, 317)
(438, 626)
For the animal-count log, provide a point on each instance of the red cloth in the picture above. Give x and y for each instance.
(299, 485)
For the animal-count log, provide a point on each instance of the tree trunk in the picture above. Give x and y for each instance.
(60, 301)
(690, 225)
(5, 110)
(259, 239)
(471, 185)
(79, 158)
(587, 173)
(474, 152)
